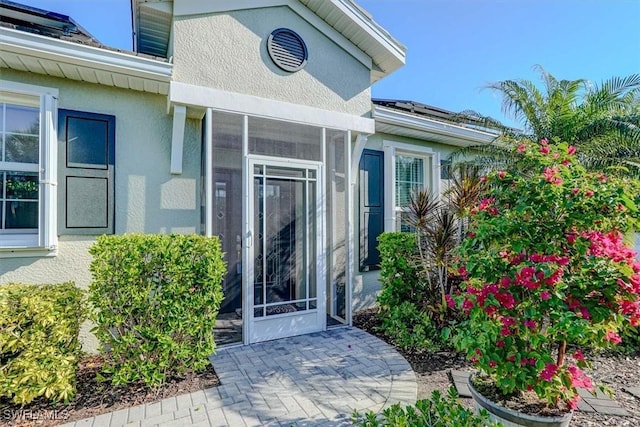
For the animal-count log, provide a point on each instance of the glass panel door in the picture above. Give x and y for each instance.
(284, 223)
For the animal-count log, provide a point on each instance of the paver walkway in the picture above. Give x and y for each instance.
(310, 380)
(599, 403)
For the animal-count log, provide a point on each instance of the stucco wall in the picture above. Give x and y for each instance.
(228, 52)
(147, 197)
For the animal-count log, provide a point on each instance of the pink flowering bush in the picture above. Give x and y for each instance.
(546, 266)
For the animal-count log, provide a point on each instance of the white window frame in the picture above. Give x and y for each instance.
(392, 149)
(45, 241)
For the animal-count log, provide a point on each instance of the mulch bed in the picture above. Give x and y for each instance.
(95, 398)
(433, 372)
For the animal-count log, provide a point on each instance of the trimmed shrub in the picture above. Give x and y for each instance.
(155, 299)
(39, 346)
(438, 411)
(398, 271)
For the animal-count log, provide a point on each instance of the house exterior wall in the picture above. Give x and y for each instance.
(227, 51)
(147, 197)
(367, 284)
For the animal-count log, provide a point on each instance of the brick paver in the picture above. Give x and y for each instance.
(599, 403)
(310, 380)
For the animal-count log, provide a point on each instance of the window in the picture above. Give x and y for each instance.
(410, 177)
(409, 168)
(27, 168)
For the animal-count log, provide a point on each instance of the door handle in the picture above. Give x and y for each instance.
(249, 239)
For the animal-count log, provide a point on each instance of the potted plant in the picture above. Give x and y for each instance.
(545, 272)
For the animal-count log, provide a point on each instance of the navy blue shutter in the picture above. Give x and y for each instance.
(86, 171)
(371, 196)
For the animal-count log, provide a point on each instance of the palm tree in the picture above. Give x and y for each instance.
(602, 121)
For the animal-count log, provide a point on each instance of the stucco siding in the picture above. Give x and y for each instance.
(147, 197)
(228, 52)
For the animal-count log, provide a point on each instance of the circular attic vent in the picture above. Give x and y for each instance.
(287, 49)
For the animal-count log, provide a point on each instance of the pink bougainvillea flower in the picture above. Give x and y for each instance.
(524, 361)
(571, 238)
(491, 310)
(545, 295)
(571, 150)
(579, 379)
(585, 313)
(522, 148)
(531, 324)
(502, 174)
(450, 302)
(613, 337)
(492, 363)
(545, 150)
(578, 356)
(588, 193)
(544, 141)
(549, 372)
(573, 402)
(500, 343)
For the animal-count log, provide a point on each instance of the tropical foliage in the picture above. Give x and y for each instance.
(601, 120)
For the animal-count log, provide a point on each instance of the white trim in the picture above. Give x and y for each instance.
(208, 173)
(87, 57)
(361, 143)
(177, 138)
(372, 28)
(27, 89)
(44, 241)
(204, 97)
(460, 135)
(247, 239)
(49, 173)
(350, 219)
(391, 150)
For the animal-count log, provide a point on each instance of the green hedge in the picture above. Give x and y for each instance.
(39, 346)
(398, 272)
(155, 300)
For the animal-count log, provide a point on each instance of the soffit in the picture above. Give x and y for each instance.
(58, 58)
(393, 122)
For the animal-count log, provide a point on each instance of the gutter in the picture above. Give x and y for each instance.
(22, 43)
(464, 135)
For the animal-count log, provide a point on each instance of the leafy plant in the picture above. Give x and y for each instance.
(601, 120)
(438, 411)
(39, 346)
(410, 328)
(398, 270)
(545, 266)
(156, 298)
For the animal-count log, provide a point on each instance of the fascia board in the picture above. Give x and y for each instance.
(465, 135)
(62, 51)
(373, 29)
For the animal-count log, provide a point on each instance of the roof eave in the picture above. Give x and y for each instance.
(65, 59)
(426, 128)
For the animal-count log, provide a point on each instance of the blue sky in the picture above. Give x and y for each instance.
(456, 47)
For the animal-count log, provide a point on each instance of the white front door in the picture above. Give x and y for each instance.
(286, 292)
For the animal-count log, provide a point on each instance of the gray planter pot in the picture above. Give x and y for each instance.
(510, 418)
